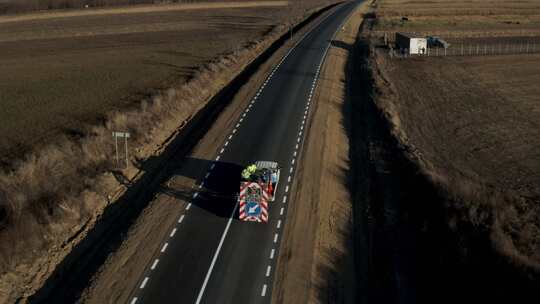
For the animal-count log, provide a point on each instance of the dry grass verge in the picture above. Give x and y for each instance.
(53, 197)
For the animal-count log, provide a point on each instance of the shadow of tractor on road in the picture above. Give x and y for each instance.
(219, 190)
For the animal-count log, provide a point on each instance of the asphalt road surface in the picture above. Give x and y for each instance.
(210, 256)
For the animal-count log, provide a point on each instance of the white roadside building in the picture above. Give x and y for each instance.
(412, 44)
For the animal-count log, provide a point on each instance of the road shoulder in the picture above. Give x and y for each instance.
(316, 264)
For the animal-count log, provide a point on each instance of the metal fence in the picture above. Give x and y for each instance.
(474, 50)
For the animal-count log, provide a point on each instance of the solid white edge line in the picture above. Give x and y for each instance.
(216, 254)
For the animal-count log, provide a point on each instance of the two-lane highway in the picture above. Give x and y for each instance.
(210, 256)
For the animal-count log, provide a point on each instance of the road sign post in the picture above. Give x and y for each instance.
(124, 135)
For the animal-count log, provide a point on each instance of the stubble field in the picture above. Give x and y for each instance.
(61, 74)
(474, 18)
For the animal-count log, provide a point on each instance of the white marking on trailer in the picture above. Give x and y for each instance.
(181, 219)
(268, 269)
(164, 247)
(272, 252)
(156, 261)
(173, 232)
(263, 292)
(144, 282)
